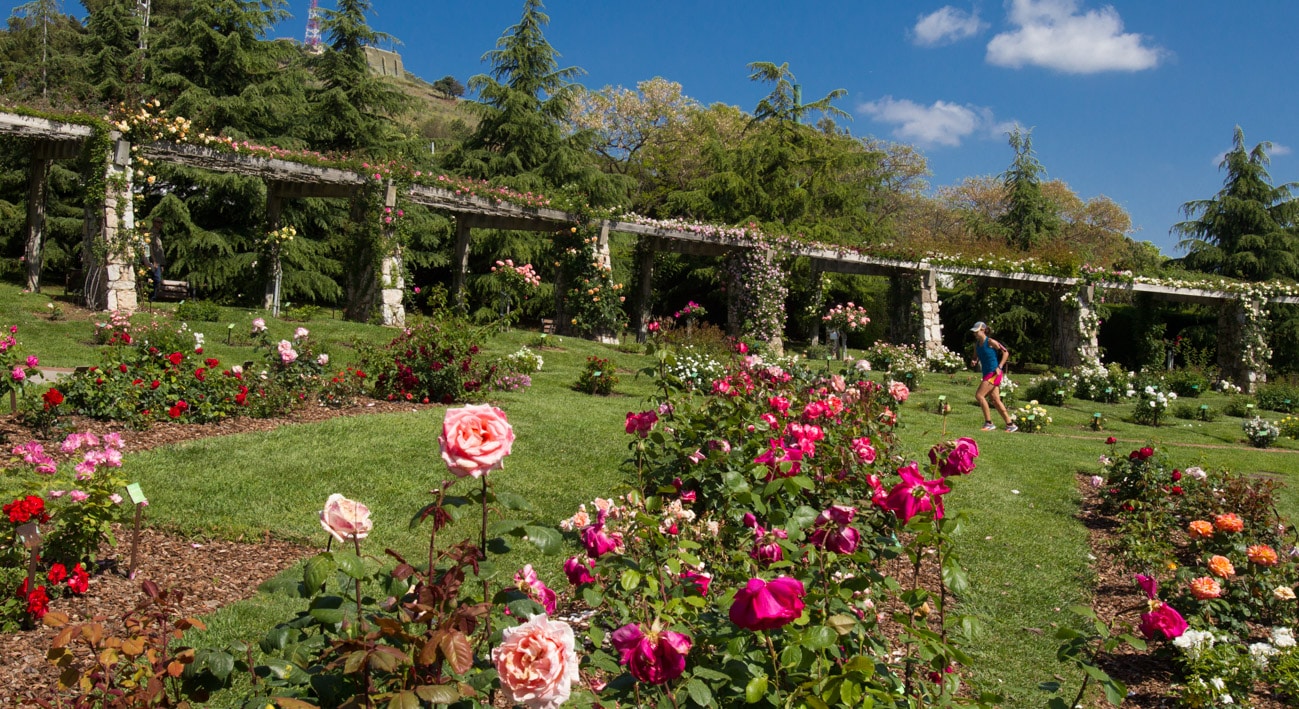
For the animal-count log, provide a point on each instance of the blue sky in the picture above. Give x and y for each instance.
(1133, 100)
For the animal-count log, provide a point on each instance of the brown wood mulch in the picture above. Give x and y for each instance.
(210, 573)
(1149, 674)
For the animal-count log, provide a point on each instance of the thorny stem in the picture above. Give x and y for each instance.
(482, 553)
(433, 536)
(775, 666)
(359, 617)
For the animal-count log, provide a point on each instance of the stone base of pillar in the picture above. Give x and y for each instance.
(393, 293)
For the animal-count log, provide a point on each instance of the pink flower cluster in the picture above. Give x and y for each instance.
(847, 317)
(525, 273)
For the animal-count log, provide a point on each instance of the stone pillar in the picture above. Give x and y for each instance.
(274, 210)
(602, 253)
(646, 253)
(1073, 337)
(392, 282)
(914, 310)
(34, 254)
(460, 263)
(106, 251)
(1243, 350)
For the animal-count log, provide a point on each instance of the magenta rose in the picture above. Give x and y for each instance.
(960, 460)
(915, 495)
(598, 543)
(475, 440)
(656, 657)
(526, 580)
(763, 605)
(578, 570)
(1162, 619)
(537, 663)
(345, 519)
(833, 532)
(700, 580)
(766, 544)
(641, 424)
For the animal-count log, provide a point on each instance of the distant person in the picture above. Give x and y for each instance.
(991, 358)
(155, 274)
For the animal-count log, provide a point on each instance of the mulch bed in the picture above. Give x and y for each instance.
(1148, 676)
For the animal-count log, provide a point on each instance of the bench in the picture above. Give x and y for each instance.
(172, 290)
(75, 282)
(547, 326)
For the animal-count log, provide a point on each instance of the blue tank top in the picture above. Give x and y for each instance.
(987, 356)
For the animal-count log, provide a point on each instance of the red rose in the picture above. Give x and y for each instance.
(1177, 475)
(57, 574)
(175, 358)
(174, 412)
(155, 384)
(79, 582)
(200, 374)
(52, 398)
(211, 362)
(121, 368)
(136, 382)
(38, 603)
(1111, 441)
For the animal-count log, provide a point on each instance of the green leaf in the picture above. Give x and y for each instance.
(850, 692)
(803, 516)
(954, 577)
(547, 539)
(404, 700)
(630, 579)
(350, 564)
(512, 501)
(505, 526)
(327, 616)
(317, 571)
(712, 674)
(841, 624)
(438, 693)
(699, 692)
(1115, 691)
(755, 690)
(821, 637)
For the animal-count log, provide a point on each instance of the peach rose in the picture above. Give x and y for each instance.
(475, 440)
(536, 663)
(345, 519)
(1221, 567)
(1229, 522)
(1205, 587)
(1199, 529)
(1262, 554)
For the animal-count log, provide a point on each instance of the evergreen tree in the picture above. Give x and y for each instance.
(352, 109)
(1248, 230)
(1030, 218)
(112, 59)
(37, 53)
(216, 67)
(522, 105)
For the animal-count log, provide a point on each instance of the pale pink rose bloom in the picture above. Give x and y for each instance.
(259, 325)
(112, 457)
(300, 333)
(1097, 481)
(90, 439)
(113, 440)
(71, 443)
(537, 663)
(56, 494)
(696, 457)
(475, 440)
(85, 470)
(116, 498)
(345, 519)
(323, 359)
(78, 496)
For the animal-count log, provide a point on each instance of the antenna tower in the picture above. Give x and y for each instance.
(312, 40)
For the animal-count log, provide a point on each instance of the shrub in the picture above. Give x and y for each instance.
(1188, 411)
(692, 369)
(300, 313)
(343, 388)
(904, 363)
(1151, 404)
(1260, 432)
(16, 367)
(1187, 383)
(1240, 407)
(1278, 397)
(1052, 391)
(1289, 427)
(435, 361)
(942, 360)
(1031, 418)
(198, 311)
(598, 377)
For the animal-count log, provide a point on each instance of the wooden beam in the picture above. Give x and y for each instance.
(56, 149)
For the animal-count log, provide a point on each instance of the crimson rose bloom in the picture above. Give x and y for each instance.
(657, 657)
(57, 574)
(763, 605)
(1163, 619)
(641, 424)
(579, 571)
(52, 398)
(79, 583)
(175, 358)
(38, 603)
(833, 530)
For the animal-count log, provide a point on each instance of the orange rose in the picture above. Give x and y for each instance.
(537, 663)
(1205, 588)
(1229, 522)
(1221, 567)
(1199, 529)
(1262, 554)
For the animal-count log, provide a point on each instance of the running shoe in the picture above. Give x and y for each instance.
(1011, 428)
(989, 427)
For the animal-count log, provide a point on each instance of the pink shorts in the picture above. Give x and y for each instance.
(995, 378)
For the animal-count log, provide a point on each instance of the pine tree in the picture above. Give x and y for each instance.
(112, 60)
(351, 110)
(1030, 219)
(1248, 230)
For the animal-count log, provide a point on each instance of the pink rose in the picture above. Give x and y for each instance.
(955, 458)
(1164, 619)
(763, 605)
(899, 391)
(345, 519)
(700, 580)
(526, 580)
(864, 450)
(915, 495)
(641, 424)
(536, 663)
(766, 546)
(657, 657)
(475, 440)
(19, 374)
(598, 543)
(32, 361)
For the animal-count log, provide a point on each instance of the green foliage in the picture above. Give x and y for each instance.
(1052, 391)
(434, 360)
(1280, 397)
(1030, 219)
(1187, 383)
(599, 376)
(198, 311)
(1241, 407)
(1245, 230)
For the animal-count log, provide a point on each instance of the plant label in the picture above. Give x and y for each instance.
(136, 494)
(30, 534)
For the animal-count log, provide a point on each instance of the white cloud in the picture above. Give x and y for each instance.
(1278, 149)
(1056, 34)
(946, 25)
(941, 123)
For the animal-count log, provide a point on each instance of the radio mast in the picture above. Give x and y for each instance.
(312, 40)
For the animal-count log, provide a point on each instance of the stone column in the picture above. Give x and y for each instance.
(37, 183)
(392, 283)
(1073, 337)
(274, 209)
(106, 252)
(646, 253)
(460, 263)
(602, 253)
(914, 310)
(1243, 350)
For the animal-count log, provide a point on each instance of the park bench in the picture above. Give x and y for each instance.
(172, 290)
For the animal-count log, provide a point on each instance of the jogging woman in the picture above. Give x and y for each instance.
(992, 356)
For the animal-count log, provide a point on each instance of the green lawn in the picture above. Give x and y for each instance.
(1023, 543)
